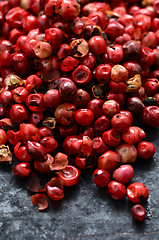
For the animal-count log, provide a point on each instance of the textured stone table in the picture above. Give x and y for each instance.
(85, 213)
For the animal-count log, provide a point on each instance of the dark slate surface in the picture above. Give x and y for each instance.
(85, 213)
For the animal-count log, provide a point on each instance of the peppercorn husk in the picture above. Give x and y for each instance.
(133, 84)
(5, 154)
(98, 91)
(49, 122)
(146, 3)
(13, 81)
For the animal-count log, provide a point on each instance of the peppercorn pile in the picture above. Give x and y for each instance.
(74, 76)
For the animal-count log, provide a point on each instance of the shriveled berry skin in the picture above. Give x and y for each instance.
(101, 177)
(145, 150)
(137, 192)
(123, 174)
(54, 189)
(138, 212)
(127, 151)
(116, 190)
(64, 113)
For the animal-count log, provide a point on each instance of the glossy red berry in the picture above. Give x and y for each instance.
(21, 153)
(123, 174)
(22, 170)
(111, 137)
(120, 122)
(35, 102)
(137, 192)
(69, 175)
(81, 75)
(145, 150)
(97, 45)
(116, 190)
(133, 135)
(101, 177)
(109, 161)
(110, 108)
(3, 137)
(19, 113)
(138, 212)
(84, 117)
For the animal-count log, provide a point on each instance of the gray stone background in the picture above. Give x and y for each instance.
(85, 213)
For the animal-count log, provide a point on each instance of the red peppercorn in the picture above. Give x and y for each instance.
(3, 137)
(22, 170)
(109, 161)
(64, 113)
(30, 22)
(6, 98)
(120, 122)
(44, 167)
(54, 189)
(29, 132)
(133, 135)
(19, 113)
(138, 212)
(123, 174)
(45, 131)
(69, 175)
(52, 98)
(15, 17)
(20, 94)
(81, 75)
(21, 154)
(111, 138)
(110, 108)
(67, 144)
(97, 45)
(54, 36)
(35, 118)
(137, 192)
(101, 124)
(89, 60)
(96, 106)
(150, 116)
(36, 151)
(114, 30)
(116, 190)
(99, 146)
(49, 143)
(115, 53)
(102, 73)
(67, 90)
(84, 117)
(145, 150)
(33, 83)
(13, 137)
(101, 177)
(35, 102)
(118, 97)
